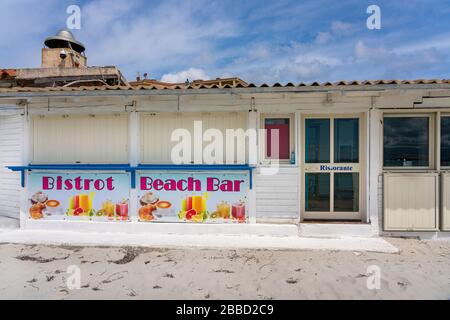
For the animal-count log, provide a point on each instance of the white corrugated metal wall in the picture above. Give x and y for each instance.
(277, 195)
(156, 131)
(11, 135)
(80, 139)
(411, 201)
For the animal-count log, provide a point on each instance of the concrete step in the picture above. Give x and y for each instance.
(329, 230)
(279, 230)
(195, 241)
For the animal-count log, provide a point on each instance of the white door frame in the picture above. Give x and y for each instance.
(356, 168)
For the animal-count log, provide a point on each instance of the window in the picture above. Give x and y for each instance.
(346, 140)
(445, 141)
(346, 192)
(317, 140)
(157, 130)
(281, 148)
(284, 149)
(406, 141)
(317, 197)
(80, 139)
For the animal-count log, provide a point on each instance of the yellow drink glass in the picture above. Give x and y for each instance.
(71, 203)
(84, 202)
(197, 203)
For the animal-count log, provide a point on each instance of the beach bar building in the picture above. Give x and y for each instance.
(83, 149)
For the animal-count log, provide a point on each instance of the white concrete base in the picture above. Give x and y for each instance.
(164, 228)
(441, 235)
(194, 241)
(9, 223)
(328, 230)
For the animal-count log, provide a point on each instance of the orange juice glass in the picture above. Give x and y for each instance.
(84, 202)
(197, 203)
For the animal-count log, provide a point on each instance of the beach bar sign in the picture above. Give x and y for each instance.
(193, 197)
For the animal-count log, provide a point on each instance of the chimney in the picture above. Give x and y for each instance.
(63, 51)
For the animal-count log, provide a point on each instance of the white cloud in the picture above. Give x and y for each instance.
(440, 41)
(138, 37)
(322, 37)
(336, 30)
(304, 70)
(340, 26)
(24, 26)
(182, 76)
(362, 51)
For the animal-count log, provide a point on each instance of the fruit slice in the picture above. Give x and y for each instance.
(198, 218)
(190, 214)
(101, 213)
(78, 212)
(215, 215)
(182, 215)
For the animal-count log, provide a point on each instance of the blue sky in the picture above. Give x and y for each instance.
(258, 40)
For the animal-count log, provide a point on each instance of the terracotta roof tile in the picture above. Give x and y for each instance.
(203, 86)
(8, 73)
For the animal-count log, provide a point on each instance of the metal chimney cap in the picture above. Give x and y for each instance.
(61, 40)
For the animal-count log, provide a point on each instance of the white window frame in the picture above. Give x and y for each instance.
(359, 168)
(292, 140)
(431, 139)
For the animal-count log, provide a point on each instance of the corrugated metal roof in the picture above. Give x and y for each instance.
(161, 86)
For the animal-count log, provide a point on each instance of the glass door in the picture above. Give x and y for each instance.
(332, 168)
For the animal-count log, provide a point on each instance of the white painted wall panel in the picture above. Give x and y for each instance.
(80, 139)
(11, 133)
(157, 129)
(277, 196)
(411, 201)
(445, 225)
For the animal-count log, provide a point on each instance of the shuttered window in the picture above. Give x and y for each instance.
(80, 139)
(157, 129)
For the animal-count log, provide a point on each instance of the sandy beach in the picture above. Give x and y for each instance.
(420, 271)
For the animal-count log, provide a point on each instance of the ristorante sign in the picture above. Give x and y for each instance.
(335, 168)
